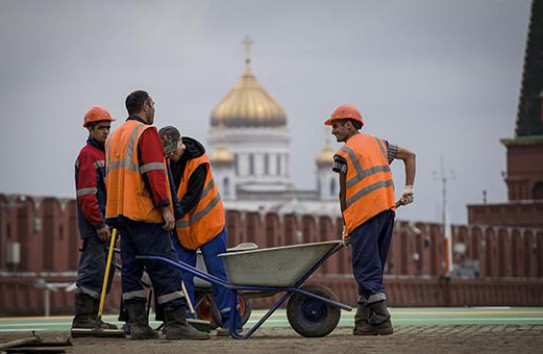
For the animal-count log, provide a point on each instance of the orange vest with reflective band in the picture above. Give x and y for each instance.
(206, 220)
(127, 194)
(369, 185)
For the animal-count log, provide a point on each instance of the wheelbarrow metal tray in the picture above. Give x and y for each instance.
(277, 266)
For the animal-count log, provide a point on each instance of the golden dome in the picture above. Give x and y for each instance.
(221, 155)
(326, 156)
(248, 104)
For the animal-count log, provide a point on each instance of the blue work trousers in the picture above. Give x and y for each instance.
(214, 266)
(92, 266)
(144, 239)
(370, 243)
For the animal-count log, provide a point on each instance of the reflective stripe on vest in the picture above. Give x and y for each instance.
(361, 173)
(127, 161)
(127, 194)
(369, 184)
(206, 220)
(199, 215)
(84, 191)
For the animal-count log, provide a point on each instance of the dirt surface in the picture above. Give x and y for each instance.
(407, 339)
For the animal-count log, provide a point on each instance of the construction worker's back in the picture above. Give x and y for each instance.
(128, 196)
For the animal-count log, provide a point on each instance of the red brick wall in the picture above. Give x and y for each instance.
(524, 169)
(511, 257)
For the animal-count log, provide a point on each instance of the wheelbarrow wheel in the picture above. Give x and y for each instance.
(310, 317)
(245, 308)
(207, 310)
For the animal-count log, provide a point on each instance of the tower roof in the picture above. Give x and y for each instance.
(221, 155)
(248, 104)
(529, 115)
(326, 156)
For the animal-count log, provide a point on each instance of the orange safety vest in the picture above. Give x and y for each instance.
(369, 184)
(206, 220)
(127, 195)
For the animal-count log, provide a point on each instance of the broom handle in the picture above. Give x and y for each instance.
(187, 297)
(106, 274)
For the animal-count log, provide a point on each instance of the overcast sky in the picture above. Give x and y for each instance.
(439, 77)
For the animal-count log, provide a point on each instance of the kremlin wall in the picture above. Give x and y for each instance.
(501, 265)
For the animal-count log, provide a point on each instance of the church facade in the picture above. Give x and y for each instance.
(249, 142)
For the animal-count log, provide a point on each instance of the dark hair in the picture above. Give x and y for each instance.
(356, 124)
(134, 102)
(93, 125)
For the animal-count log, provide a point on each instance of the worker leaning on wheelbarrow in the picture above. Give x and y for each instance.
(203, 224)
(368, 207)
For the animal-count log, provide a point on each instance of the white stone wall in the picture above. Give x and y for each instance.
(257, 142)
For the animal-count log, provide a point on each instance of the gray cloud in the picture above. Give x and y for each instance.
(440, 77)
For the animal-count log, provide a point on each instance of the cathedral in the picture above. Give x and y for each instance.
(249, 144)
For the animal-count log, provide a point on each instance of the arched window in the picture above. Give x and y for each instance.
(226, 187)
(537, 192)
(266, 164)
(251, 165)
(333, 188)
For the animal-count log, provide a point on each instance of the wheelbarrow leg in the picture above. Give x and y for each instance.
(264, 318)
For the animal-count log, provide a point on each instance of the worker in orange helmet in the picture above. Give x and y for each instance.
(368, 208)
(91, 203)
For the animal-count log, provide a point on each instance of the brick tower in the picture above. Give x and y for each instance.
(524, 177)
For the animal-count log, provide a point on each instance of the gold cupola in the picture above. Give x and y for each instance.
(221, 155)
(248, 104)
(326, 156)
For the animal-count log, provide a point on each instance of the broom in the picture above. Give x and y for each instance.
(102, 332)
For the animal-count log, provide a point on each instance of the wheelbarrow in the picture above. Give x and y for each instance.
(312, 310)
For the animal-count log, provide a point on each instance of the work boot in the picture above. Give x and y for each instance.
(100, 323)
(362, 320)
(380, 319)
(176, 326)
(84, 312)
(138, 321)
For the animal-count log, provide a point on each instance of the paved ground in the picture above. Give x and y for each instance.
(463, 330)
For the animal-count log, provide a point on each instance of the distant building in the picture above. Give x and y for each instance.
(524, 176)
(250, 153)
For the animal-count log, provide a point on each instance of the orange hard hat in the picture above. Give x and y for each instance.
(97, 114)
(345, 111)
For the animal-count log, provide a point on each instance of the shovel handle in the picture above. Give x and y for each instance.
(106, 273)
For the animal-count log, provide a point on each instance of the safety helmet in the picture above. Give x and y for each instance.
(97, 114)
(345, 111)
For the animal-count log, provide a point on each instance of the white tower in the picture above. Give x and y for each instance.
(327, 180)
(222, 161)
(251, 125)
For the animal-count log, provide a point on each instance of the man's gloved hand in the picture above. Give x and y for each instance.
(104, 234)
(407, 195)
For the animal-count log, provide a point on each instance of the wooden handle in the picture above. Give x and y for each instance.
(106, 273)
